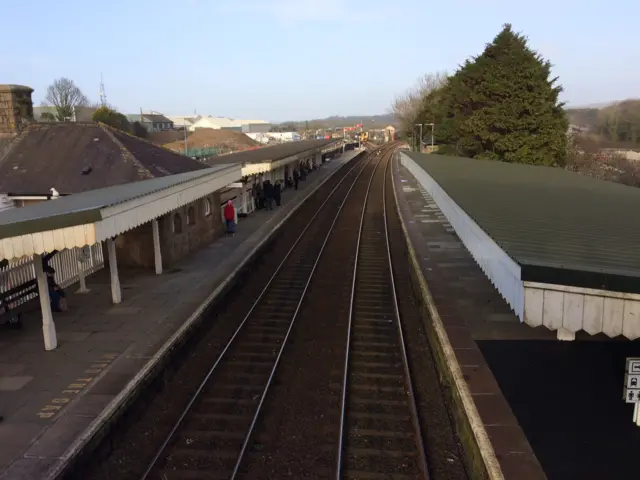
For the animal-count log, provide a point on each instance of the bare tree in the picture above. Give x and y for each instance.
(64, 95)
(408, 106)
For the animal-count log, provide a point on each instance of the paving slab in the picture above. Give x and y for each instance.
(53, 401)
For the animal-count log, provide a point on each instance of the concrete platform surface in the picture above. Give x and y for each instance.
(470, 309)
(52, 402)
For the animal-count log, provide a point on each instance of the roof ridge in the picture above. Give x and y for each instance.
(143, 171)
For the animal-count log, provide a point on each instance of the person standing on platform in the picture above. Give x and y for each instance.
(230, 217)
(254, 196)
(268, 194)
(296, 178)
(260, 196)
(277, 193)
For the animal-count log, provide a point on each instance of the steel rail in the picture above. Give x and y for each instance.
(350, 322)
(204, 382)
(247, 439)
(405, 361)
(405, 358)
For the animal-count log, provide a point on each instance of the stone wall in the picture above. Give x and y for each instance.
(197, 229)
(205, 228)
(16, 108)
(135, 247)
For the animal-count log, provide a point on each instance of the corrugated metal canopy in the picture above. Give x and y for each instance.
(83, 208)
(270, 153)
(546, 217)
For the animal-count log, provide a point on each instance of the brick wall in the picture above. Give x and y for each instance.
(135, 248)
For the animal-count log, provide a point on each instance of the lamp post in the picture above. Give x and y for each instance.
(184, 125)
(432, 127)
(419, 139)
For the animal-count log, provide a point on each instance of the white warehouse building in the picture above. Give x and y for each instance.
(238, 125)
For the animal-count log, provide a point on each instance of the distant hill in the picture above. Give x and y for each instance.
(583, 116)
(368, 121)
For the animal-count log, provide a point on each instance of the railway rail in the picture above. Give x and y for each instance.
(380, 431)
(214, 430)
(314, 378)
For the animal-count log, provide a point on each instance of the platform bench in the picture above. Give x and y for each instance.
(12, 317)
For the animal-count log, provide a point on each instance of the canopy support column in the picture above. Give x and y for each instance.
(82, 257)
(116, 294)
(157, 252)
(48, 327)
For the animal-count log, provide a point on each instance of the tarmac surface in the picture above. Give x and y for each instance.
(567, 397)
(50, 399)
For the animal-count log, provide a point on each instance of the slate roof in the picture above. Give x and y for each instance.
(156, 118)
(559, 226)
(86, 207)
(76, 157)
(270, 153)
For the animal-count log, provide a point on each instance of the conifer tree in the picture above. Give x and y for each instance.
(505, 106)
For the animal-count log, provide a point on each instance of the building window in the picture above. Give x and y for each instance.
(191, 216)
(207, 207)
(177, 223)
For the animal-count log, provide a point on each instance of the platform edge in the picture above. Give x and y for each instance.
(479, 454)
(115, 408)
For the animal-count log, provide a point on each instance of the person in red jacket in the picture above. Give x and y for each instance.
(230, 217)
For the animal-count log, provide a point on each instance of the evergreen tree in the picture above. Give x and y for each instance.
(504, 105)
(112, 118)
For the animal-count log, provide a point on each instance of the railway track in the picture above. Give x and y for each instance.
(214, 430)
(350, 412)
(311, 378)
(380, 431)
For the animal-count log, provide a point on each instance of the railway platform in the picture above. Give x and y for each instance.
(469, 310)
(513, 385)
(54, 403)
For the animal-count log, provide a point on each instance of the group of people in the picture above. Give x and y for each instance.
(266, 193)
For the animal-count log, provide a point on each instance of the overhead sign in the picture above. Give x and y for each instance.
(631, 392)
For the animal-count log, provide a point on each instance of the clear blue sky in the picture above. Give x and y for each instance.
(297, 59)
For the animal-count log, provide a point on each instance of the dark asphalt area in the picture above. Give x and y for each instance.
(567, 397)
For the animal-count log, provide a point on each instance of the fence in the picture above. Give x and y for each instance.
(202, 152)
(65, 264)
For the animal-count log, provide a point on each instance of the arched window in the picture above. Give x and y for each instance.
(207, 207)
(177, 223)
(191, 216)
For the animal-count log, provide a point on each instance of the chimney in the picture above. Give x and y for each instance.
(16, 108)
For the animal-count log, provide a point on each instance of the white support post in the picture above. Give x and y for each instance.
(83, 282)
(82, 257)
(244, 199)
(157, 252)
(116, 294)
(48, 327)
